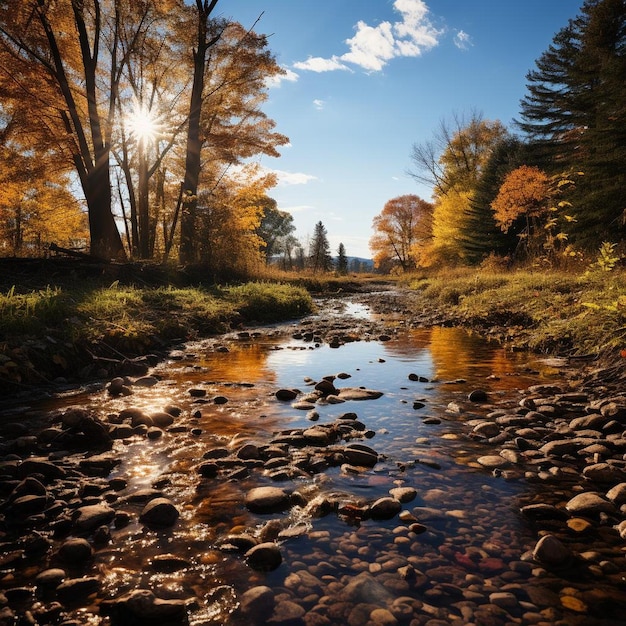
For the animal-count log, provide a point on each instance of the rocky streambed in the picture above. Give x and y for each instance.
(188, 495)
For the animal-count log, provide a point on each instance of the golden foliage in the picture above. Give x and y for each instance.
(525, 192)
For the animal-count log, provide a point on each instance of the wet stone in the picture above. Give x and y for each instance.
(88, 518)
(264, 557)
(550, 551)
(75, 550)
(159, 512)
(589, 504)
(142, 606)
(267, 499)
(385, 508)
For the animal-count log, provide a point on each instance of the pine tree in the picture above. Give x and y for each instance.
(342, 260)
(575, 109)
(320, 259)
(479, 234)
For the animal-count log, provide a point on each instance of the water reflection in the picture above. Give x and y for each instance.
(473, 508)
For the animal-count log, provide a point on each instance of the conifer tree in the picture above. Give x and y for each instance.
(575, 109)
(342, 260)
(320, 259)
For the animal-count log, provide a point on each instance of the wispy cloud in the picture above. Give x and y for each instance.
(288, 76)
(293, 178)
(319, 64)
(372, 47)
(462, 40)
(301, 208)
(319, 104)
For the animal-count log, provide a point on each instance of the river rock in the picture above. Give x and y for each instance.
(28, 505)
(604, 473)
(162, 419)
(75, 550)
(358, 393)
(403, 494)
(50, 578)
(359, 454)
(589, 503)
(73, 590)
(550, 551)
(141, 606)
(559, 447)
(45, 468)
(617, 494)
(365, 588)
(477, 395)
(264, 557)
(258, 602)
(385, 508)
(88, 518)
(159, 512)
(286, 394)
(267, 500)
(492, 461)
(168, 563)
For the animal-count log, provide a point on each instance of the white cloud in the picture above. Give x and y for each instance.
(318, 64)
(293, 178)
(462, 40)
(372, 47)
(277, 80)
(319, 104)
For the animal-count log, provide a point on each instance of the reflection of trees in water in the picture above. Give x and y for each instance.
(243, 363)
(456, 353)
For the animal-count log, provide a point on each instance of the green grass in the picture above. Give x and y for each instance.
(68, 326)
(546, 311)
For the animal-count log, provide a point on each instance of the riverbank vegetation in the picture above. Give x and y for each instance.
(559, 313)
(62, 331)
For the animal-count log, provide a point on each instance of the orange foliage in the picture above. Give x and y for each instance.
(524, 192)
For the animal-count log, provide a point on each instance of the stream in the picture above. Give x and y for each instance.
(457, 551)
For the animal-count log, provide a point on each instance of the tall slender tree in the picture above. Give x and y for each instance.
(342, 260)
(320, 259)
(206, 36)
(575, 110)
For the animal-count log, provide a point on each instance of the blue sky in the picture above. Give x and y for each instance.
(367, 79)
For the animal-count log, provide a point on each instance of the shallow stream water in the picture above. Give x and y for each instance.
(475, 537)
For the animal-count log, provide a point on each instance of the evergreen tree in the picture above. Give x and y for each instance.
(575, 110)
(342, 260)
(479, 234)
(320, 259)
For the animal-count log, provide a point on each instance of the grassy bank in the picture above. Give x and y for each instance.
(550, 312)
(68, 332)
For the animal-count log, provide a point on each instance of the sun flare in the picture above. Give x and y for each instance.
(142, 123)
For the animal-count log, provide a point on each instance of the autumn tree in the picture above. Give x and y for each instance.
(60, 61)
(37, 207)
(531, 203)
(228, 222)
(342, 260)
(403, 226)
(233, 127)
(575, 110)
(94, 79)
(452, 163)
(320, 259)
